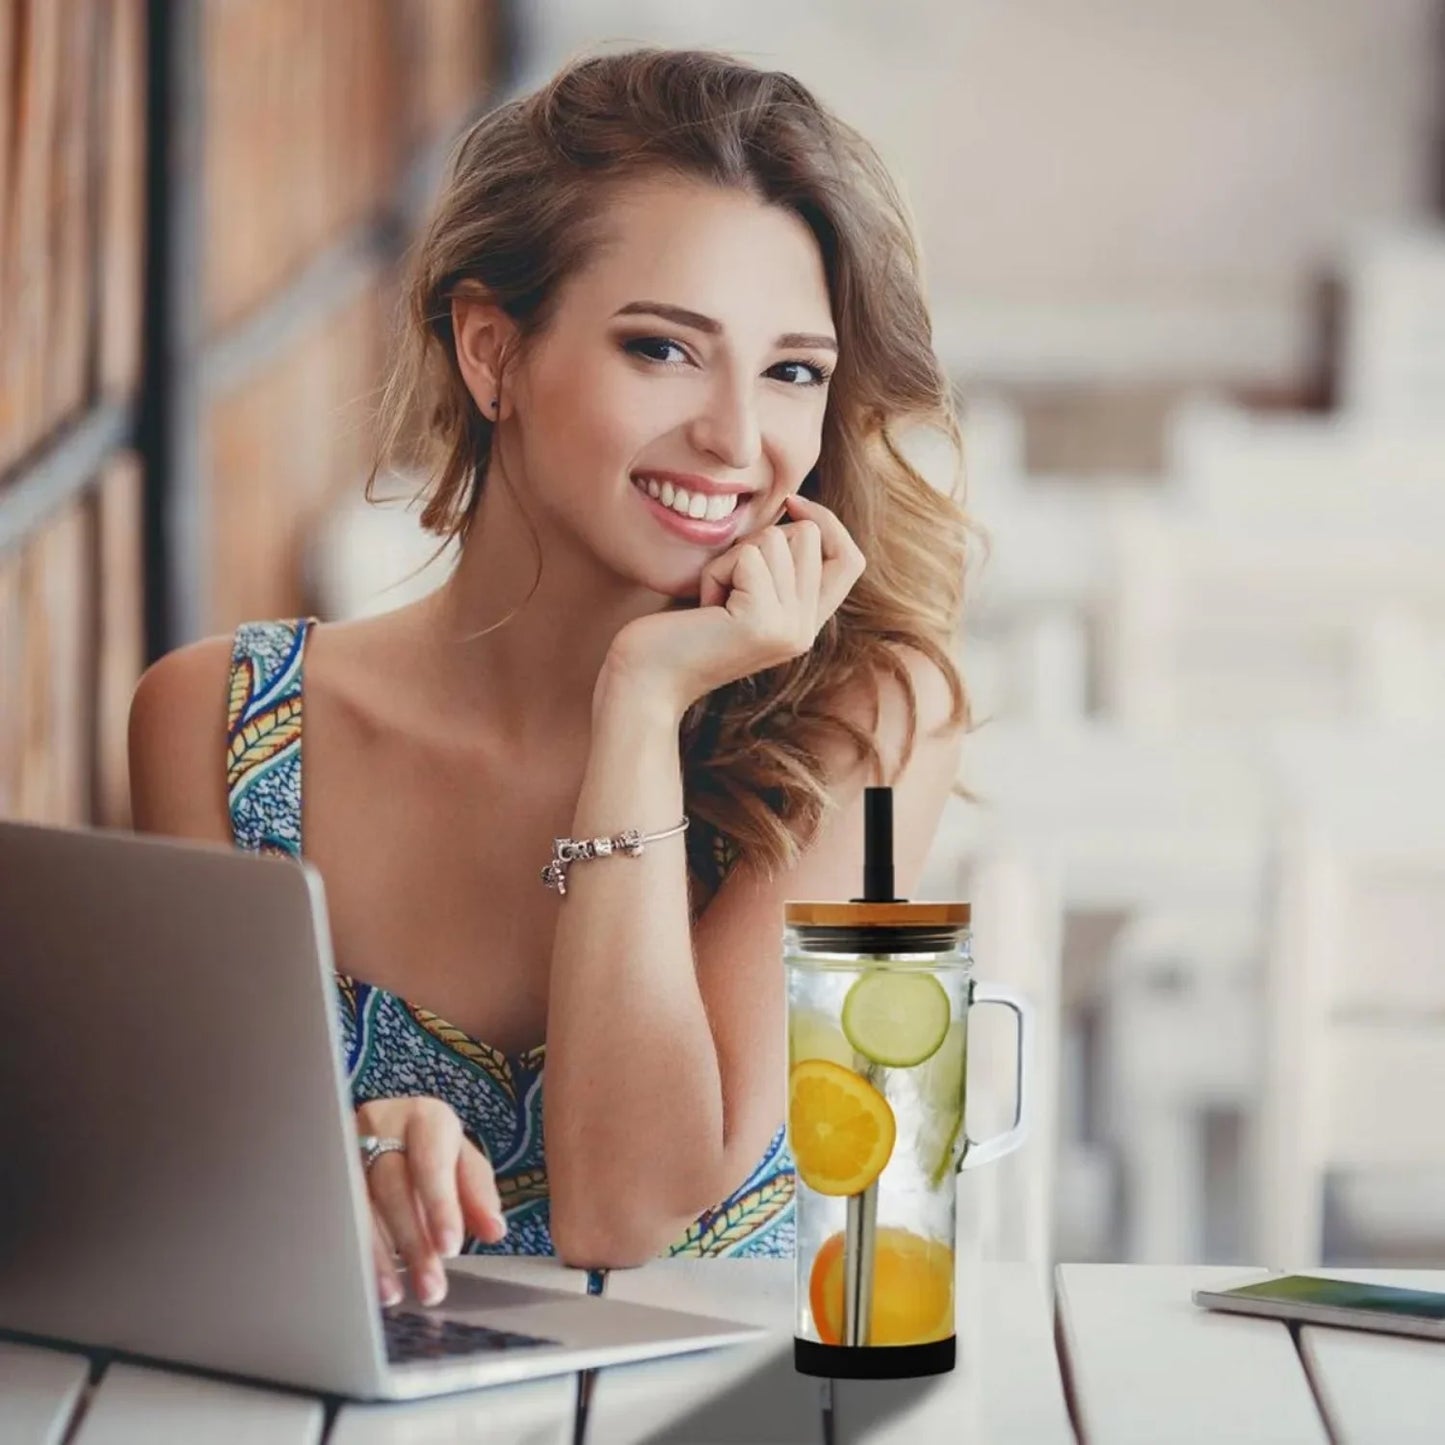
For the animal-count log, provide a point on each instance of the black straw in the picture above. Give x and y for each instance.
(878, 845)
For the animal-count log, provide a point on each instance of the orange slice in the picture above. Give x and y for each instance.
(825, 1289)
(912, 1289)
(840, 1127)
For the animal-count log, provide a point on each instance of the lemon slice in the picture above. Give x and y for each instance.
(895, 1018)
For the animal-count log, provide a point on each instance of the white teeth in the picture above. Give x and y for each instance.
(698, 505)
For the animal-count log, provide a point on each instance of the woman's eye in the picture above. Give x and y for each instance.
(811, 375)
(666, 352)
(655, 348)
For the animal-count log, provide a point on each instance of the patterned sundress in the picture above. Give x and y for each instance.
(394, 1048)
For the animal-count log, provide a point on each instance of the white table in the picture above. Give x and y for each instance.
(1144, 1364)
(1139, 1361)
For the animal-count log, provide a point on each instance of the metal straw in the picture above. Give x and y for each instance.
(858, 1237)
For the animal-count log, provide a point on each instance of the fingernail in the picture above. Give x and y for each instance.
(451, 1241)
(433, 1287)
(391, 1293)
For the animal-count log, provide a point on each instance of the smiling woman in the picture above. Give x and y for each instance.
(657, 342)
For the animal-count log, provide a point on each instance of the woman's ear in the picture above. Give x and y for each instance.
(483, 334)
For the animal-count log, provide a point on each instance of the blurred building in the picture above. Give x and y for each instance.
(202, 206)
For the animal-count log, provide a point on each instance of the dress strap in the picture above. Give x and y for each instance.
(263, 735)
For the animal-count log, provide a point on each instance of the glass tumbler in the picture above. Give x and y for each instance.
(879, 994)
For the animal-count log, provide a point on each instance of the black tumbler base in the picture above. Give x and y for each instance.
(874, 1362)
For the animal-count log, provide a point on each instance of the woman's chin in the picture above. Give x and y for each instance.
(670, 572)
(681, 586)
(686, 591)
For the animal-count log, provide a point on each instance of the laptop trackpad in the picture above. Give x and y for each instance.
(576, 1319)
(471, 1294)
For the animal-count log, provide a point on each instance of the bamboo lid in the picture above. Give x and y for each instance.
(866, 914)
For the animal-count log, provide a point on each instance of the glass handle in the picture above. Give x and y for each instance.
(983, 1151)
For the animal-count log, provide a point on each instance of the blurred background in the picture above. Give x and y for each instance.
(1187, 268)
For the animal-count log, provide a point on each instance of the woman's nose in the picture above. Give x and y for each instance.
(728, 426)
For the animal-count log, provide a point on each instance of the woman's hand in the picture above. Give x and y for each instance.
(761, 603)
(421, 1197)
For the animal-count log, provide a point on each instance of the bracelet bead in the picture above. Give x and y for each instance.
(572, 850)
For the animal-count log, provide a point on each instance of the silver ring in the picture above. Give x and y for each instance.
(373, 1146)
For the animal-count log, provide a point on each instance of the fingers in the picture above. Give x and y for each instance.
(736, 579)
(842, 560)
(721, 577)
(717, 578)
(388, 1282)
(481, 1205)
(786, 581)
(433, 1139)
(424, 1195)
(753, 585)
(395, 1201)
(806, 541)
(774, 544)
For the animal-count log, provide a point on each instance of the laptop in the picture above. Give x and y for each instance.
(179, 1175)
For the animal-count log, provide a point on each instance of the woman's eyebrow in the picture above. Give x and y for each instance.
(681, 316)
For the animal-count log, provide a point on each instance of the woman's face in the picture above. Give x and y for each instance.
(678, 394)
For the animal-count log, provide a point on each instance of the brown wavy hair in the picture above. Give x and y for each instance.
(519, 213)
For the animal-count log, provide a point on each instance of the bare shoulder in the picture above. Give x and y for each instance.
(921, 785)
(369, 673)
(885, 715)
(177, 743)
(932, 695)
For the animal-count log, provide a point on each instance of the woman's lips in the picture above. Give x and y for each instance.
(694, 529)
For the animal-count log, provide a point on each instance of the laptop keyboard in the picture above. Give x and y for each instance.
(411, 1336)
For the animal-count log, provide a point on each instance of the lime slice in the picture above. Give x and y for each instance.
(942, 1091)
(896, 1019)
(943, 1082)
(942, 1154)
(812, 1034)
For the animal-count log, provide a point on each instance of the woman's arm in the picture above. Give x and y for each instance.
(665, 1050)
(632, 1107)
(177, 744)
